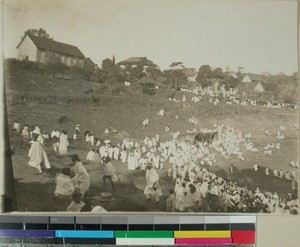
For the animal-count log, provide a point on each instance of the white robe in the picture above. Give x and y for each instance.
(55, 133)
(116, 153)
(82, 178)
(152, 180)
(123, 156)
(17, 127)
(131, 162)
(36, 155)
(180, 198)
(25, 133)
(64, 185)
(103, 151)
(90, 155)
(63, 144)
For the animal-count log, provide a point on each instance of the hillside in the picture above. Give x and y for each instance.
(39, 100)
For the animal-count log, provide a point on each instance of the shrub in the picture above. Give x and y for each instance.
(62, 119)
(148, 88)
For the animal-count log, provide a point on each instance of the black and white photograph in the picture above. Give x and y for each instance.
(152, 106)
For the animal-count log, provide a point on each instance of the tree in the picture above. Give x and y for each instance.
(37, 32)
(177, 65)
(88, 68)
(177, 75)
(240, 69)
(217, 73)
(229, 82)
(54, 64)
(204, 75)
(110, 73)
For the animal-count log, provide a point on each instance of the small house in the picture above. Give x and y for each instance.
(253, 83)
(191, 74)
(40, 49)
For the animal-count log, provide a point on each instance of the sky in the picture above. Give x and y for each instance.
(257, 35)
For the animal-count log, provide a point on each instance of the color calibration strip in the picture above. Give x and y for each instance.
(128, 230)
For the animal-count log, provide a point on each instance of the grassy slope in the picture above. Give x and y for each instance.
(33, 99)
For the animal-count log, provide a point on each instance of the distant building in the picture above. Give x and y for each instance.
(232, 74)
(191, 74)
(252, 82)
(252, 78)
(39, 49)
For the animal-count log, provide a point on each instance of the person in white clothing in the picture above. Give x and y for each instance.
(16, 126)
(90, 155)
(131, 162)
(37, 155)
(123, 156)
(55, 133)
(63, 143)
(152, 190)
(25, 132)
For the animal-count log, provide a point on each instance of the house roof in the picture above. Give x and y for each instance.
(55, 46)
(255, 78)
(249, 85)
(190, 72)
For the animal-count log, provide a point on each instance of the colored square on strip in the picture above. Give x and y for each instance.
(11, 226)
(243, 236)
(242, 219)
(87, 241)
(62, 220)
(166, 227)
(35, 226)
(194, 227)
(26, 233)
(113, 227)
(202, 234)
(61, 226)
(202, 241)
(84, 234)
(144, 234)
(243, 226)
(145, 241)
(187, 220)
(217, 220)
(219, 226)
(86, 227)
(138, 227)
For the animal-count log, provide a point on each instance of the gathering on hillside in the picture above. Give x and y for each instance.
(183, 159)
(185, 140)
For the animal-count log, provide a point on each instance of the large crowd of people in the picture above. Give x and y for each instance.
(195, 188)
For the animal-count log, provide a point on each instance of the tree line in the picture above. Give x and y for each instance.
(175, 77)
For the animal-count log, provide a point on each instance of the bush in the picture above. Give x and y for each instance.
(62, 119)
(14, 65)
(149, 88)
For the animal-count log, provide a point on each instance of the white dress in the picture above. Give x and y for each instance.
(63, 144)
(36, 155)
(131, 162)
(123, 156)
